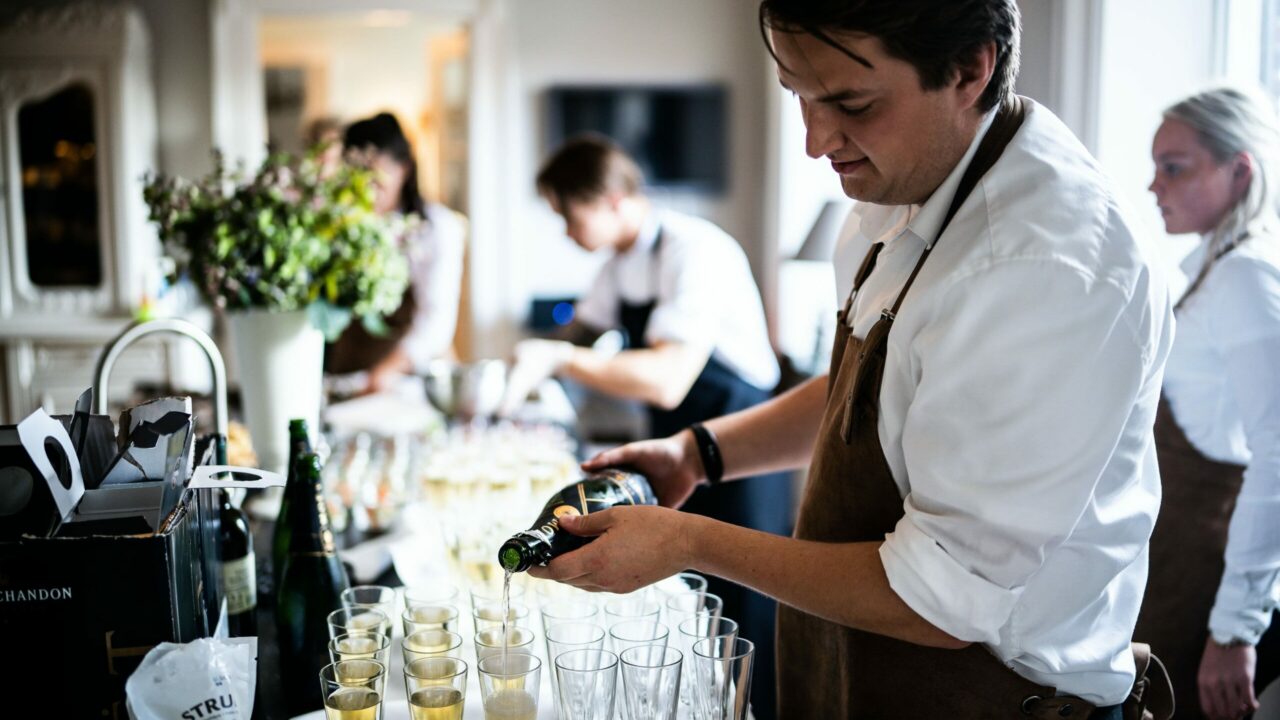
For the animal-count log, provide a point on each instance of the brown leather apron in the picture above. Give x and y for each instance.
(827, 670)
(358, 349)
(1187, 557)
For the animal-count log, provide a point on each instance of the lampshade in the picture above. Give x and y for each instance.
(820, 243)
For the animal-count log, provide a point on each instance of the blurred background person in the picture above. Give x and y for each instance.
(697, 343)
(422, 328)
(1215, 552)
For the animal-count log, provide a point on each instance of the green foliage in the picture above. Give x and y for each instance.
(294, 235)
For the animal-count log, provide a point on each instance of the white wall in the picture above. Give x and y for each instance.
(659, 41)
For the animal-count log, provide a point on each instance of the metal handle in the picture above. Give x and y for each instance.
(129, 335)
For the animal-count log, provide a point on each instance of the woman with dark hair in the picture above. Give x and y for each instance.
(1215, 553)
(422, 328)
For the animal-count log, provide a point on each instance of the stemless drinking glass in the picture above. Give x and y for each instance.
(683, 582)
(509, 686)
(490, 593)
(722, 666)
(373, 597)
(651, 682)
(362, 646)
(489, 641)
(436, 688)
(442, 594)
(689, 632)
(429, 617)
(683, 606)
(561, 611)
(633, 633)
(431, 643)
(353, 689)
(630, 607)
(586, 683)
(490, 615)
(358, 621)
(567, 637)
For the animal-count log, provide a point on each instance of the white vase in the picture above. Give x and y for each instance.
(280, 361)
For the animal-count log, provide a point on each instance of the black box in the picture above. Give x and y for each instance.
(77, 614)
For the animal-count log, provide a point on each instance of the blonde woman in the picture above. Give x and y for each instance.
(1215, 553)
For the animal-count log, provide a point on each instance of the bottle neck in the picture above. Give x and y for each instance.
(310, 532)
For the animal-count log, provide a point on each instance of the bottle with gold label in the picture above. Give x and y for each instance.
(310, 589)
(596, 492)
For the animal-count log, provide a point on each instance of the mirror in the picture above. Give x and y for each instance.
(58, 152)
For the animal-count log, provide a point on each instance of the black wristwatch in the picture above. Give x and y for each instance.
(709, 451)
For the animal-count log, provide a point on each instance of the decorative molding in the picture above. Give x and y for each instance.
(1075, 66)
(76, 19)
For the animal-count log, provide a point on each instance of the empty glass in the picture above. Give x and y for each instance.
(442, 594)
(489, 641)
(376, 597)
(689, 632)
(567, 637)
(682, 606)
(630, 607)
(429, 617)
(436, 688)
(509, 686)
(636, 632)
(358, 621)
(362, 646)
(560, 611)
(651, 682)
(431, 643)
(722, 677)
(587, 683)
(683, 582)
(353, 689)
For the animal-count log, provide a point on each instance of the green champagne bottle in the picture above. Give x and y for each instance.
(296, 495)
(310, 589)
(545, 540)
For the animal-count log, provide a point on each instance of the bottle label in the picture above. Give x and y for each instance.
(239, 585)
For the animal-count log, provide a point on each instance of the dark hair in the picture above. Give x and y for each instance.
(934, 36)
(382, 133)
(586, 168)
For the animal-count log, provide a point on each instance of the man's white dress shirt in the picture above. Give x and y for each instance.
(1223, 383)
(705, 294)
(1021, 387)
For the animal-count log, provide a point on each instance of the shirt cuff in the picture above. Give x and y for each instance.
(1238, 613)
(941, 590)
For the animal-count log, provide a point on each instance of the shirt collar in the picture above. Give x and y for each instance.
(928, 219)
(648, 235)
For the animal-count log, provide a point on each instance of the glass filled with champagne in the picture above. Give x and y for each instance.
(509, 686)
(360, 646)
(353, 689)
(358, 621)
(436, 688)
(429, 617)
(431, 643)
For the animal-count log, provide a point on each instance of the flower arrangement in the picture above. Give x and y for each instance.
(294, 235)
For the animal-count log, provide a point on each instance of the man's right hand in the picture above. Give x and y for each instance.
(672, 465)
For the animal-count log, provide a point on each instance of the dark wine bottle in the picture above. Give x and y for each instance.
(545, 540)
(239, 576)
(310, 589)
(296, 495)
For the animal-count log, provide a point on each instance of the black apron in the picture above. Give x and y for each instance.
(762, 502)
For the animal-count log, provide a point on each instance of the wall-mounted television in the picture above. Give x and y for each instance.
(677, 133)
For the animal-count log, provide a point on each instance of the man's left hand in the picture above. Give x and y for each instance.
(634, 547)
(1226, 680)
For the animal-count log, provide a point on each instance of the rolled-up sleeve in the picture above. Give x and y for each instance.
(1026, 375)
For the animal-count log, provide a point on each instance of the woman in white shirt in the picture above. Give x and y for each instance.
(423, 326)
(1215, 553)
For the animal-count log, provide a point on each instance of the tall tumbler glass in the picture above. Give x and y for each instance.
(436, 688)
(353, 689)
(689, 632)
(567, 637)
(587, 683)
(509, 686)
(722, 667)
(651, 682)
(682, 606)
